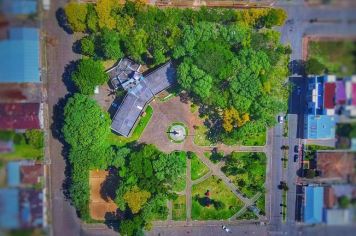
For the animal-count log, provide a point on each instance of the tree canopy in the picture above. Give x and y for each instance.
(88, 74)
(76, 14)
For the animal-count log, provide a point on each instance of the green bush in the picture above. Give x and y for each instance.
(314, 66)
(6, 135)
(34, 138)
(19, 139)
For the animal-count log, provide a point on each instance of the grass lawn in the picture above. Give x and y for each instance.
(248, 215)
(181, 181)
(200, 138)
(218, 192)
(260, 204)
(179, 208)
(256, 140)
(136, 134)
(247, 171)
(198, 168)
(337, 56)
(23, 151)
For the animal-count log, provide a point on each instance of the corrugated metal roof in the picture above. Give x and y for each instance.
(19, 116)
(313, 210)
(20, 56)
(13, 174)
(19, 7)
(9, 209)
(340, 92)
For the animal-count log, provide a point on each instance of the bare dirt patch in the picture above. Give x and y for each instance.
(101, 206)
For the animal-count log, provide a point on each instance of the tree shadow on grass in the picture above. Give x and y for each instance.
(63, 21)
(112, 220)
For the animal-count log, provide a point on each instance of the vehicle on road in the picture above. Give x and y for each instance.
(296, 148)
(280, 119)
(296, 156)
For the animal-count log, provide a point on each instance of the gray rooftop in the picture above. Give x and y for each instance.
(123, 71)
(139, 96)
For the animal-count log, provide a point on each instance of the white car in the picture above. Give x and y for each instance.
(280, 119)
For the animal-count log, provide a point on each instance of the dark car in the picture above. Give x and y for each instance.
(296, 157)
(296, 148)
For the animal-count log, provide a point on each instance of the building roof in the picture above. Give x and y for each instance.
(20, 116)
(354, 94)
(13, 174)
(313, 210)
(6, 146)
(329, 95)
(316, 87)
(340, 92)
(31, 208)
(121, 72)
(9, 208)
(338, 216)
(20, 92)
(161, 78)
(30, 174)
(336, 165)
(19, 55)
(329, 197)
(139, 95)
(320, 127)
(19, 7)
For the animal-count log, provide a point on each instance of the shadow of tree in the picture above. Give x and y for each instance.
(63, 21)
(109, 186)
(112, 220)
(56, 130)
(77, 47)
(297, 67)
(66, 76)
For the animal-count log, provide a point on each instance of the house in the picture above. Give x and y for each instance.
(329, 197)
(21, 116)
(320, 120)
(19, 7)
(20, 60)
(336, 166)
(23, 173)
(141, 89)
(20, 93)
(313, 204)
(338, 216)
(9, 208)
(21, 208)
(350, 90)
(6, 146)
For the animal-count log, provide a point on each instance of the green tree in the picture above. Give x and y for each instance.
(344, 202)
(109, 42)
(86, 126)
(136, 198)
(92, 19)
(88, 74)
(131, 227)
(104, 10)
(136, 44)
(275, 17)
(87, 46)
(309, 173)
(314, 66)
(76, 14)
(35, 138)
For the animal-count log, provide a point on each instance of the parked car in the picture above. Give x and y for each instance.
(280, 119)
(296, 156)
(296, 148)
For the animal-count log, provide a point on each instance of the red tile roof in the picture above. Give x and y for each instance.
(19, 116)
(329, 94)
(30, 173)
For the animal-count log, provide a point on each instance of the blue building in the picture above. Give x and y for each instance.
(313, 204)
(9, 209)
(19, 7)
(319, 121)
(19, 54)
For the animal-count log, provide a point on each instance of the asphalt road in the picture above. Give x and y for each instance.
(64, 220)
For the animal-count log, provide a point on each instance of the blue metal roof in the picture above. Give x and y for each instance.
(13, 174)
(20, 56)
(320, 127)
(9, 209)
(19, 7)
(313, 210)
